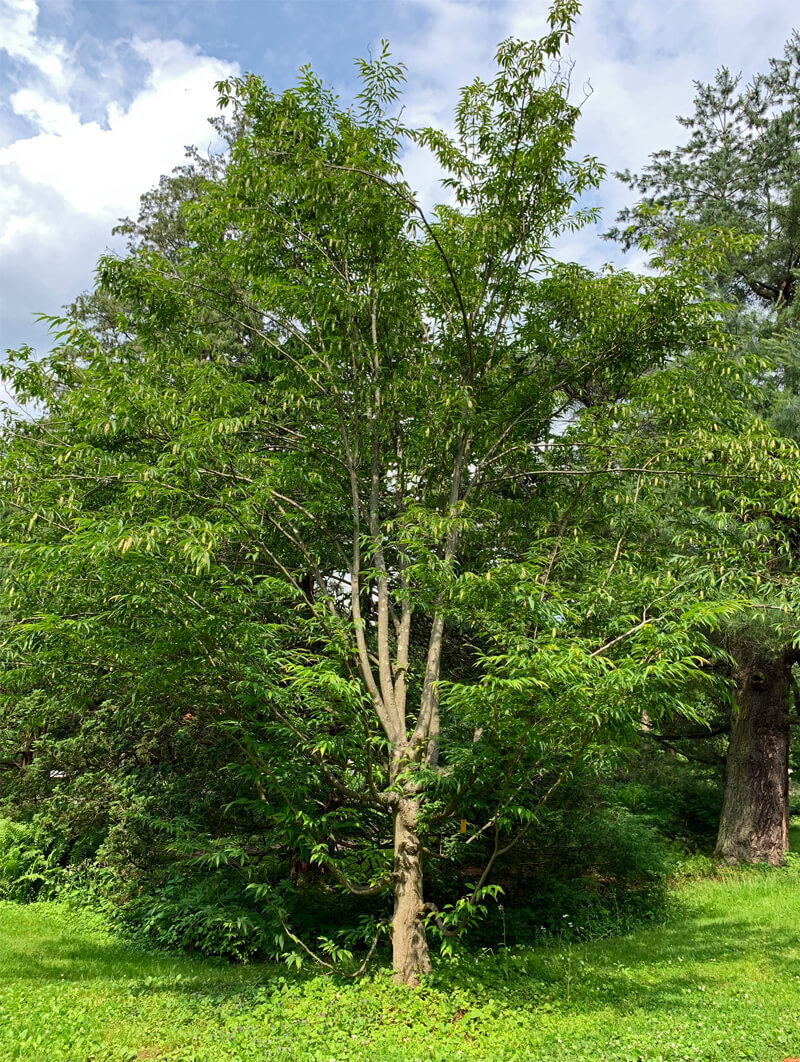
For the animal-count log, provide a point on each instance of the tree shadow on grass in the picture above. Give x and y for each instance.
(74, 960)
(655, 970)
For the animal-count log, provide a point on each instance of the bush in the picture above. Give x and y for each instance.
(682, 801)
(584, 877)
(220, 913)
(603, 858)
(210, 913)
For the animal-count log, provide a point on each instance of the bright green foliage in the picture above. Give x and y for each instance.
(739, 172)
(410, 536)
(719, 983)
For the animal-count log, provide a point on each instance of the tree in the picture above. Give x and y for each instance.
(740, 172)
(121, 773)
(377, 527)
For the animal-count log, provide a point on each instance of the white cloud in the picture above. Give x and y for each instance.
(640, 57)
(64, 184)
(64, 187)
(20, 40)
(102, 171)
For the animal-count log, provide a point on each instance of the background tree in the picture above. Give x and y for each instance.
(740, 172)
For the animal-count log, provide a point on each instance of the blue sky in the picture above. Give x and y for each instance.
(98, 98)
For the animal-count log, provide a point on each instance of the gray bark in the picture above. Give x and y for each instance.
(754, 822)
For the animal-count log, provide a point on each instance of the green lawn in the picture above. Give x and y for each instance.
(720, 982)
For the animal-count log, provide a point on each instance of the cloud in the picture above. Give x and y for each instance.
(99, 170)
(18, 34)
(64, 187)
(640, 60)
(97, 120)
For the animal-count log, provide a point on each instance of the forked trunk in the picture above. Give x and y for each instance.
(755, 811)
(410, 959)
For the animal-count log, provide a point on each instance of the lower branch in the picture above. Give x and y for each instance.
(359, 890)
(431, 908)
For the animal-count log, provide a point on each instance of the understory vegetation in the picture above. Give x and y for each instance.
(599, 863)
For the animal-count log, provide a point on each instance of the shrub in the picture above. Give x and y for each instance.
(682, 802)
(584, 873)
(210, 913)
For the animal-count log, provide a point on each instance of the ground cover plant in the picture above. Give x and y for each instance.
(720, 981)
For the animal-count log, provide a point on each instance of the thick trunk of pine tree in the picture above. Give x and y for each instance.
(755, 811)
(410, 958)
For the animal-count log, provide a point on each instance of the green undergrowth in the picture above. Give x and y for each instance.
(719, 981)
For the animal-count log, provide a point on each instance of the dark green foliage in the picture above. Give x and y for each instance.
(781, 397)
(30, 862)
(681, 801)
(740, 171)
(588, 875)
(239, 915)
(208, 912)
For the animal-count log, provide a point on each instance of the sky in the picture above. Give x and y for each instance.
(98, 98)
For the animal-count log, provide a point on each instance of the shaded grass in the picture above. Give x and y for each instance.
(720, 981)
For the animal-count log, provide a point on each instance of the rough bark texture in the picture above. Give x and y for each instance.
(410, 958)
(755, 812)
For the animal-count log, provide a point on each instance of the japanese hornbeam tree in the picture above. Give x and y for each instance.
(397, 521)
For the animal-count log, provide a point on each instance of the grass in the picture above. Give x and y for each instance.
(721, 981)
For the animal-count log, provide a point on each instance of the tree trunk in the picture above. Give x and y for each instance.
(410, 958)
(755, 812)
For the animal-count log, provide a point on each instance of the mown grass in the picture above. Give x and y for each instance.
(721, 981)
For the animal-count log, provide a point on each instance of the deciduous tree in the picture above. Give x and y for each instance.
(375, 514)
